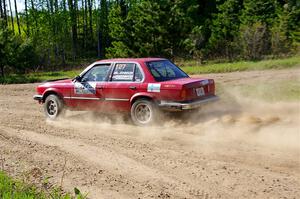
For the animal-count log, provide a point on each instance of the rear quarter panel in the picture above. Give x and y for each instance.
(166, 91)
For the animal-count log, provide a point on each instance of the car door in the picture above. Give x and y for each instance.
(88, 90)
(124, 82)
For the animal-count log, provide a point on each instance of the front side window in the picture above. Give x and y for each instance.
(126, 72)
(96, 74)
(164, 70)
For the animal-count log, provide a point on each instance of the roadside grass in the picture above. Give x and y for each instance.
(11, 188)
(190, 67)
(43, 76)
(37, 77)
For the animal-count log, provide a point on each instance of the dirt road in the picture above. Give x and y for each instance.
(240, 147)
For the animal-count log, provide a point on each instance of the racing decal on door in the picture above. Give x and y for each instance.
(153, 88)
(85, 88)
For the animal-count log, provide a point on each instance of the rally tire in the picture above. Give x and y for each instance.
(144, 112)
(53, 107)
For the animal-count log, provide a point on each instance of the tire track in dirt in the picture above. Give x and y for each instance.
(22, 155)
(190, 164)
(109, 160)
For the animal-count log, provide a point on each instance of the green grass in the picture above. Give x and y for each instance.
(55, 75)
(37, 77)
(10, 188)
(191, 67)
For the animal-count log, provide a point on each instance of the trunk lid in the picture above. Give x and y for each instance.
(194, 88)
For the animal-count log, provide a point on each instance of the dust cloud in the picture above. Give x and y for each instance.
(232, 119)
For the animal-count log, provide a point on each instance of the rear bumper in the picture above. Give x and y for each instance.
(187, 105)
(38, 97)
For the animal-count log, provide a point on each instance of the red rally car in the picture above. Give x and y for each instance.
(141, 87)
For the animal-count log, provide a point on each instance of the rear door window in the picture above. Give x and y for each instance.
(126, 72)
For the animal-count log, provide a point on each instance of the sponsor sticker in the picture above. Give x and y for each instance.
(169, 86)
(85, 88)
(154, 88)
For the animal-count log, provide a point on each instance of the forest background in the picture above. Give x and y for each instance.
(52, 35)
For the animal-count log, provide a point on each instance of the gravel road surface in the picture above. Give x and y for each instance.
(239, 147)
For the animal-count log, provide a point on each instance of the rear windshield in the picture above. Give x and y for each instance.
(164, 70)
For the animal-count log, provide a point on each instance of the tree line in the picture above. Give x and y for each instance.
(50, 34)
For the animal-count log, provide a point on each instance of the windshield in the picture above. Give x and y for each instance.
(164, 70)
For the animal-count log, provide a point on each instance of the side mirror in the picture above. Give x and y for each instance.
(77, 78)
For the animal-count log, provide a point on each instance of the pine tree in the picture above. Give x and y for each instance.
(225, 28)
(17, 16)
(257, 19)
(117, 33)
(262, 11)
(103, 39)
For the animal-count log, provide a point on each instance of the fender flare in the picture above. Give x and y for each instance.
(140, 95)
(50, 91)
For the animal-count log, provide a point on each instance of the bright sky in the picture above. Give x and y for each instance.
(20, 5)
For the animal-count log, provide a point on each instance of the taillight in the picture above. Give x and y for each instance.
(183, 94)
(211, 86)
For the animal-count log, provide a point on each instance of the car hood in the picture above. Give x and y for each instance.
(64, 80)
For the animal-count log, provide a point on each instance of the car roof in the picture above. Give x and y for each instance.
(146, 59)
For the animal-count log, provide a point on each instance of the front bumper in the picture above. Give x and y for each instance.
(187, 105)
(38, 97)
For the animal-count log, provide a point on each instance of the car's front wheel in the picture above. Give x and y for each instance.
(144, 112)
(53, 106)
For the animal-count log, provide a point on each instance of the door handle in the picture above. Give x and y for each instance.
(132, 87)
(100, 87)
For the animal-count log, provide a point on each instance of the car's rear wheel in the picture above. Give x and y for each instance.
(144, 112)
(53, 106)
